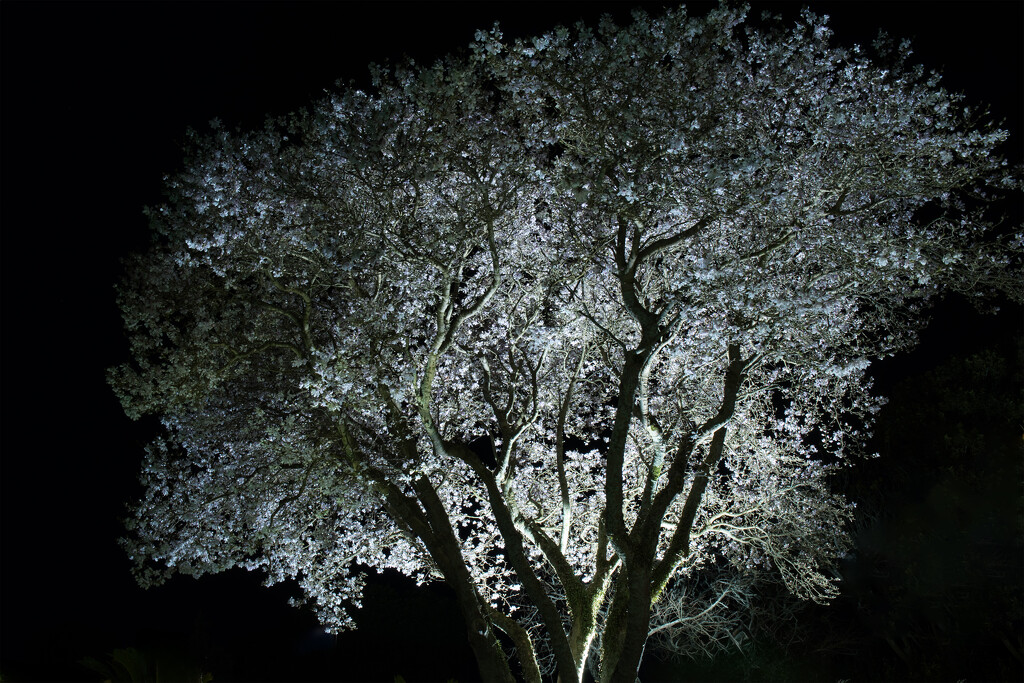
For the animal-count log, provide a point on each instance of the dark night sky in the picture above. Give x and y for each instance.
(95, 101)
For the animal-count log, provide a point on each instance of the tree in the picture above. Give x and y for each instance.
(577, 325)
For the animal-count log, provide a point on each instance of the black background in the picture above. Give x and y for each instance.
(95, 102)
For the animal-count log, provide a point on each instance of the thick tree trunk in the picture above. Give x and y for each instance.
(580, 638)
(636, 624)
(614, 633)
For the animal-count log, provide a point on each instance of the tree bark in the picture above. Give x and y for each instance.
(490, 657)
(614, 629)
(636, 624)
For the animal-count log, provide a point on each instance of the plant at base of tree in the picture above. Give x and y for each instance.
(566, 323)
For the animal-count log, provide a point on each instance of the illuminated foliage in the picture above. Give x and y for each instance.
(574, 324)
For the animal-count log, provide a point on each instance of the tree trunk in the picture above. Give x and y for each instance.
(614, 629)
(580, 638)
(490, 659)
(636, 624)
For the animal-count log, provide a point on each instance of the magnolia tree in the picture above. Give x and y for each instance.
(578, 325)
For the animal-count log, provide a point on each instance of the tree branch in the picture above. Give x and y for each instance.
(665, 243)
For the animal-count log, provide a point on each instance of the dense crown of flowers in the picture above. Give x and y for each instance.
(526, 292)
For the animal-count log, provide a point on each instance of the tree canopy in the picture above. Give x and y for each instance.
(579, 325)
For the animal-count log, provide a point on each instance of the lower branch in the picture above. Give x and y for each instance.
(524, 646)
